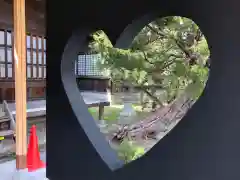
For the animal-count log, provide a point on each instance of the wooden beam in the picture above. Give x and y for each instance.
(42, 57)
(6, 54)
(37, 57)
(30, 83)
(31, 55)
(20, 81)
(13, 65)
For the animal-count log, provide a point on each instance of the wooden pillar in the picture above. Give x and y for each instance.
(20, 82)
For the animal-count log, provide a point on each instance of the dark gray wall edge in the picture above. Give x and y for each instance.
(76, 44)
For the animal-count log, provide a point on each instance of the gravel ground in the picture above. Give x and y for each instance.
(8, 171)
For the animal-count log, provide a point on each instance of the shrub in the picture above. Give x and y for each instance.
(128, 152)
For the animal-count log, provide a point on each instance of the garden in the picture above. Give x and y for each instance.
(168, 64)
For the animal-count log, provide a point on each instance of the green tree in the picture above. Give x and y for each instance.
(170, 54)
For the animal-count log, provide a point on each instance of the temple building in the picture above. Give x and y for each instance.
(22, 66)
(23, 72)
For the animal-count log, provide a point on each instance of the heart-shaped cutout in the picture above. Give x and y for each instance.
(174, 49)
(156, 56)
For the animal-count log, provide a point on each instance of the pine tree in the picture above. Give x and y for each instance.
(170, 54)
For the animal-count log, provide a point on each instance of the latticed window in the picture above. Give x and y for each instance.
(87, 65)
(35, 56)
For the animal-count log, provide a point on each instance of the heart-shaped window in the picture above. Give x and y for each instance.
(150, 86)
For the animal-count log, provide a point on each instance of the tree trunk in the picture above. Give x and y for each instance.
(154, 124)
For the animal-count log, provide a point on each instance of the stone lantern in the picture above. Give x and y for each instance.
(128, 111)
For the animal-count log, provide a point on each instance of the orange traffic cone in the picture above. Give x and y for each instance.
(33, 156)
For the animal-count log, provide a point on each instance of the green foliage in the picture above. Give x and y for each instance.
(129, 152)
(168, 54)
(110, 113)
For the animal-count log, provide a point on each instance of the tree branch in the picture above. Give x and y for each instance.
(146, 59)
(178, 43)
(154, 98)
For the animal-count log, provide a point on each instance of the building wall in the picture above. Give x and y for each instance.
(35, 64)
(36, 92)
(93, 84)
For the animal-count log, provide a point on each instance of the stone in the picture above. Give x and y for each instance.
(128, 111)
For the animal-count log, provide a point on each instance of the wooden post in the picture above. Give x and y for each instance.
(100, 112)
(20, 82)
